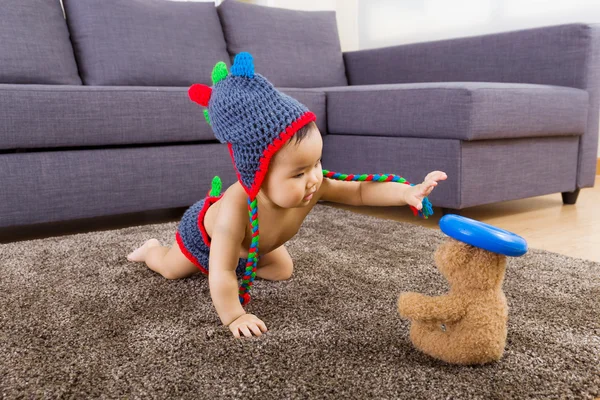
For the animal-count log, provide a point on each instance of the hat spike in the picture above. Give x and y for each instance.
(219, 72)
(200, 94)
(243, 65)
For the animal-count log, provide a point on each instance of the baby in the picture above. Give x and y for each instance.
(276, 149)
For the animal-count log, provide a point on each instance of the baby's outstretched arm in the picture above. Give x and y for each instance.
(392, 193)
(380, 193)
(424, 308)
(227, 237)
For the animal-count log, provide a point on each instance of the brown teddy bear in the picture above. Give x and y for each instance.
(468, 324)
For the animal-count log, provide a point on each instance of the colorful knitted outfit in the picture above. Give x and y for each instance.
(255, 120)
(193, 240)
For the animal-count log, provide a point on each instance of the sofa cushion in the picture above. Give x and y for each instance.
(145, 42)
(457, 110)
(479, 172)
(47, 186)
(43, 116)
(35, 46)
(291, 48)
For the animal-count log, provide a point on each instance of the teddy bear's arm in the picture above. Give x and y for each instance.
(426, 308)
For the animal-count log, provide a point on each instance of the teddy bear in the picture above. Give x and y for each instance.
(468, 324)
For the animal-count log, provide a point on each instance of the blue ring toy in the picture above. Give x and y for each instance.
(483, 235)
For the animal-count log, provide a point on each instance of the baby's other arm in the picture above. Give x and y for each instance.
(227, 237)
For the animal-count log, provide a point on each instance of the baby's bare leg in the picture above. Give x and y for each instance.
(170, 262)
(276, 265)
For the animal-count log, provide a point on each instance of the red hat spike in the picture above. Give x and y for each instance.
(200, 94)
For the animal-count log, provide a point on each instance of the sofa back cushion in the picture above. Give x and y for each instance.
(34, 43)
(145, 42)
(291, 48)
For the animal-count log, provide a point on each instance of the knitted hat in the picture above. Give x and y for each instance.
(255, 120)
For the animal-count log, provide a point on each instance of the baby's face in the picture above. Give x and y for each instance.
(295, 171)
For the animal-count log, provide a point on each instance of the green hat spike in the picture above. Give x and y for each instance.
(219, 72)
(207, 116)
(215, 190)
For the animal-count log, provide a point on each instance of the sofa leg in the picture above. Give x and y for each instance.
(570, 197)
(446, 211)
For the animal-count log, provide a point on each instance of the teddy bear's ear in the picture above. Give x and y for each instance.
(487, 259)
(452, 252)
(470, 267)
(486, 269)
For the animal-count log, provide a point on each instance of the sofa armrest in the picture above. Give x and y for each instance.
(562, 55)
(555, 55)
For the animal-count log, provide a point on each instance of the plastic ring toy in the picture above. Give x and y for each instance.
(483, 235)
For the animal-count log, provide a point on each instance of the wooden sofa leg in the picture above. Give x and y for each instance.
(446, 211)
(570, 197)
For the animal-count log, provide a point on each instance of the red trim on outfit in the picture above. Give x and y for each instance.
(189, 255)
(208, 201)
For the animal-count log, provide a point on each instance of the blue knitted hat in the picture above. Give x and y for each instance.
(255, 120)
(251, 116)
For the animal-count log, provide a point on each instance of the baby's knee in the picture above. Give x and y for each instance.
(276, 271)
(286, 271)
(281, 272)
(169, 274)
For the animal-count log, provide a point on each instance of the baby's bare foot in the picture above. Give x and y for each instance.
(139, 254)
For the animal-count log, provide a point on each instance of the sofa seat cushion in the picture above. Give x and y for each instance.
(457, 110)
(145, 42)
(291, 48)
(48, 116)
(35, 46)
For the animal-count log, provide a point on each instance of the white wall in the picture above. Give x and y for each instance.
(389, 22)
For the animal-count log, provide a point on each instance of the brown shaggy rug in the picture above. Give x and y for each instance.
(77, 320)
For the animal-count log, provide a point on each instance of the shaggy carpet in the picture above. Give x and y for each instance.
(77, 320)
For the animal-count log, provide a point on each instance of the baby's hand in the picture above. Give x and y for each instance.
(415, 194)
(246, 323)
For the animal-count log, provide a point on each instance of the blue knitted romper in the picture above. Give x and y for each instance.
(193, 240)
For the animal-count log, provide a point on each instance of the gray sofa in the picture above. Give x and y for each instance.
(95, 119)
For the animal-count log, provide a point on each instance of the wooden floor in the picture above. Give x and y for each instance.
(543, 221)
